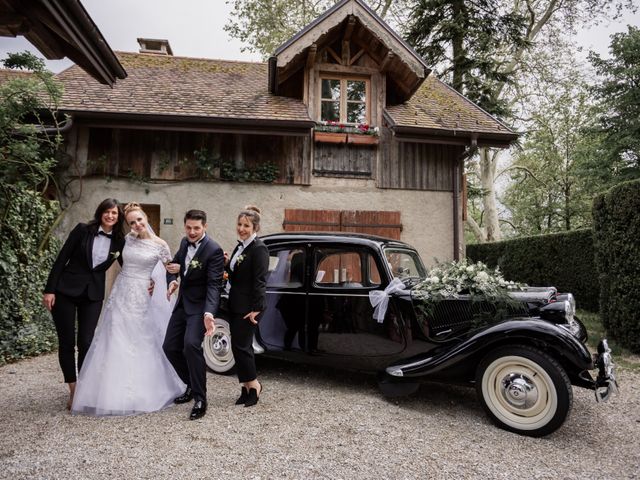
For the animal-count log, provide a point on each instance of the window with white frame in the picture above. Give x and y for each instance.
(344, 100)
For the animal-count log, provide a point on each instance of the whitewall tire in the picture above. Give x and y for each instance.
(524, 390)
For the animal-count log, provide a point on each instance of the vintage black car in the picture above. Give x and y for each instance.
(319, 311)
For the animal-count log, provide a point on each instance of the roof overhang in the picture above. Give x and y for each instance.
(62, 28)
(450, 137)
(193, 123)
(355, 20)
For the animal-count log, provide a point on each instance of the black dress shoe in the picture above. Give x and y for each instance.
(244, 395)
(253, 397)
(198, 410)
(187, 396)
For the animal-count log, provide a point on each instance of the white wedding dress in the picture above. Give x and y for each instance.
(126, 371)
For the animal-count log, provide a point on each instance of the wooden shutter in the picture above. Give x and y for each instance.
(372, 222)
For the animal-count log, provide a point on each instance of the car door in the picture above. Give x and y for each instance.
(282, 325)
(340, 316)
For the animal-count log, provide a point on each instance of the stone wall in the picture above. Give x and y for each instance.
(426, 216)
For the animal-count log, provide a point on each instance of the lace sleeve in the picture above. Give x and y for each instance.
(165, 254)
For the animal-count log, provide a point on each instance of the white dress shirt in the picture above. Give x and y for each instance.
(101, 245)
(191, 252)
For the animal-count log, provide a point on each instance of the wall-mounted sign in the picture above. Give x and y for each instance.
(168, 221)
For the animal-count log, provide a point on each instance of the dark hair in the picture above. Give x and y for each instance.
(253, 214)
(195, 215)
(107, 204)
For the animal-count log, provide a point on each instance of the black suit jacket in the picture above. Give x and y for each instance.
(200, 287)
(249, 279)
(73, 273)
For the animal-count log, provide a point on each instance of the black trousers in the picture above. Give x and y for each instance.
(242, 331)
(183, 347)
(64, 313)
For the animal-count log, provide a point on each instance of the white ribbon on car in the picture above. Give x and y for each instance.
(380, 298)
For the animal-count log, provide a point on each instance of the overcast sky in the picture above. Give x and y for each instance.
(194, 28)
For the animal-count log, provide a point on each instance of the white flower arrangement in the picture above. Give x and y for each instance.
(239, 259)
(115, 255)
(195, 264)
(449, 280)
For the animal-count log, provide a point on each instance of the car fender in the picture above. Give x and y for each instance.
(455, 353)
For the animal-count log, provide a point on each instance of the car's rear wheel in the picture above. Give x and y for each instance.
(524, 390)
(217, 349)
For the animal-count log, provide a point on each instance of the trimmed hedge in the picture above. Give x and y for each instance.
(563, 260)
(616, 234)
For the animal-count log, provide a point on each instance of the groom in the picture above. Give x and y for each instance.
(200, 263)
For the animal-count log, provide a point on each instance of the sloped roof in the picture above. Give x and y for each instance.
(236, 92)
(8, 74)
(62, 28)
(438, 107)
(178, 86)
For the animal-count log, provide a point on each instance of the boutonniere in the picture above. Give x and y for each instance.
(240, 259)
(114, 255)
(195, 264)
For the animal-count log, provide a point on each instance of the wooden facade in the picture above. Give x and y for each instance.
(171, 155)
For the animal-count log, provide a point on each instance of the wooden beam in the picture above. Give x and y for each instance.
(346, 52)
(12, 24)
(334, 55)
(386, 61)
(311, 55)
(355, 58)
(351, 23)
(351, 70)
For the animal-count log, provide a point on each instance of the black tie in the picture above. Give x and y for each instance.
(108, 235)
(192, 244)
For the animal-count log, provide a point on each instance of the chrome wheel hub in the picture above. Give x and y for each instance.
(221, 345)
(519, 391)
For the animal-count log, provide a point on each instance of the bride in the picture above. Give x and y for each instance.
(126, 371)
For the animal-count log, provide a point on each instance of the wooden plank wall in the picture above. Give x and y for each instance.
(417, 166)
(344, 160)
(162, 155)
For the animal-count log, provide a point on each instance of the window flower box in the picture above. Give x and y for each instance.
(362, 139)
(330, 137)
(334, 132)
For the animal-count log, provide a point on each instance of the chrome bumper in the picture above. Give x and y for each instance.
(606, 383)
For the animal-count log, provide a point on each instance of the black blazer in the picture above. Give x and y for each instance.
(200, 287)
(73, 274)
(249, 279)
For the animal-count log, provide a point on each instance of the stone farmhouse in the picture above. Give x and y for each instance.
(343, 129)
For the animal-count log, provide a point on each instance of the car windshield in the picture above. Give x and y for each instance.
(405, 263)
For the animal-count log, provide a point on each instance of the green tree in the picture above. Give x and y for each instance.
(461, 38)
(619, 96)
(446, 30)
(264, 25)
(548, 190)
(29, 143)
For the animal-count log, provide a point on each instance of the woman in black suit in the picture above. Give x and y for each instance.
(247, 270)
(76, 284)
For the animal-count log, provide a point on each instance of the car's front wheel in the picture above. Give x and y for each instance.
(524, 390)
(217, 349)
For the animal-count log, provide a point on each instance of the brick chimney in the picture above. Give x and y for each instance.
(155, 46)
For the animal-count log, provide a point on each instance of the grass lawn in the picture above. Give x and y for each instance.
(622, 357)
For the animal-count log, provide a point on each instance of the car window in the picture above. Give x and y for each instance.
(345, 268)
(404, 263)
(286, 268)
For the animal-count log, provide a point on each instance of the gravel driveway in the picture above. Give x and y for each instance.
(310, 423)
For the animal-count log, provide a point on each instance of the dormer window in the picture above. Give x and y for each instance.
(344, 100)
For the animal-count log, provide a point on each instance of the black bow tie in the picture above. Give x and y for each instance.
(192, 244)
(108, 235)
